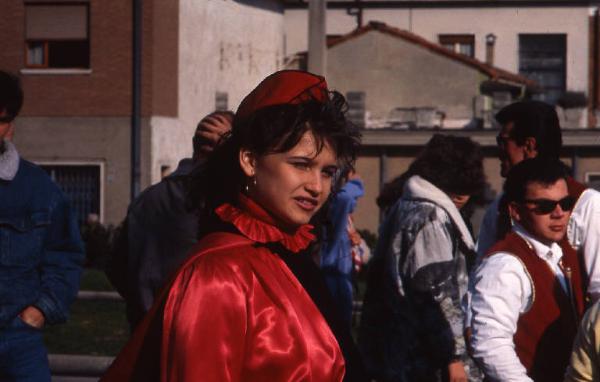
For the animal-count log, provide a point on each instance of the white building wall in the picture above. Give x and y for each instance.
(224, 46)
(505, 23)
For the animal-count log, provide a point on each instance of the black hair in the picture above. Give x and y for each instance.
(11, 95)
(539, 170)
(534, 119)
(272, 129)
(392, 191)
(452, 164)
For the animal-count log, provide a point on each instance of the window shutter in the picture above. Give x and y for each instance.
(56, 22)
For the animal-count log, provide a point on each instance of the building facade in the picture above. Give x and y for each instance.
(75, 61)
(554, 44)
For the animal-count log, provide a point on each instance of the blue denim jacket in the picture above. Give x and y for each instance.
(40, 247)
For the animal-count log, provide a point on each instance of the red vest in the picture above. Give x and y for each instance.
(545, 332)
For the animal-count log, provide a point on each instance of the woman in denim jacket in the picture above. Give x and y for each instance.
(412, 321)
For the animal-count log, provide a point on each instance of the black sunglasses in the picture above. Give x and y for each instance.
(546, 206)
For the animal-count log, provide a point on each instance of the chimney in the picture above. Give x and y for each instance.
(490, 41)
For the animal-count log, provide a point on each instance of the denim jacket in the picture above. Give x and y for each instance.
(40, 246)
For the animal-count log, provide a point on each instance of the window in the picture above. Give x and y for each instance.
(459, 43)
(221, 100)
(592, 179)
(81, 185)
(542, 59)
(57, 36)
(356, 108)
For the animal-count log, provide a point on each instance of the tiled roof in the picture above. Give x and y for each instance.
(493, 72)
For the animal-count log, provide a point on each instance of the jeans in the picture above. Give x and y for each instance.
(23, 356)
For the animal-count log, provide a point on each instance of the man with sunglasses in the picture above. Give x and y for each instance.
(528, 291)
(40, 252)
(530, 129)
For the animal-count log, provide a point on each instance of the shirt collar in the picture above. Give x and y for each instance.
(9, 161)
(552, 253)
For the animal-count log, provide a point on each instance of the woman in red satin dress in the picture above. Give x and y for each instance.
(246, 306)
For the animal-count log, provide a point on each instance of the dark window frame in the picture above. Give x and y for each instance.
(530, 71)
(461, 39)
(592, 179)
(72, 171)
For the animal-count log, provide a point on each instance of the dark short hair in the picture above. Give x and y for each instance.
(534, 119)
(273, 129)
(452, 164)
(534, 170)
(11, 95)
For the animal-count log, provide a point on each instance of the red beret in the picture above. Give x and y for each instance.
(283, 87)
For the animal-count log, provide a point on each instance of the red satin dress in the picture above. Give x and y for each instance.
(237, 313)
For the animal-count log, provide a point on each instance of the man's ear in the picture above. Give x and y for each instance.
(11, 131)
(513, 210)
(248, 162)
(530, 147)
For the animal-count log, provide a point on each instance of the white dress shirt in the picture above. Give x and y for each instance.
(583, 232)
(502, 291)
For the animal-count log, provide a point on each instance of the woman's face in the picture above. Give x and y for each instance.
(459, 200)
(292, 185)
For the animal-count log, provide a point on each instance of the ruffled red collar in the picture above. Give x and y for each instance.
(256, 224)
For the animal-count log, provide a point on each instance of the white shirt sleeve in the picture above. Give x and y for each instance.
(584, 234)
(501, 292)
(487, 230)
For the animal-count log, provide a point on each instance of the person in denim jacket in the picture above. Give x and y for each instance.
(40, 252)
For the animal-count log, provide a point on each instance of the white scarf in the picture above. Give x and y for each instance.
(9, 160)
(417, 187)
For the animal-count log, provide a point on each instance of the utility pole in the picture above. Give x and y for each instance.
(317, 49)
(136, 99)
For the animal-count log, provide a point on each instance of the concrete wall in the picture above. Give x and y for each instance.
(366, 214)
(369, 168)
(505, 23)
(191, 50)
(83, 116)
(397, 73)
(79, 140)
(225, 46)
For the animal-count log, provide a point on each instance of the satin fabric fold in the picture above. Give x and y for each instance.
(234, 312)
(243, 316)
